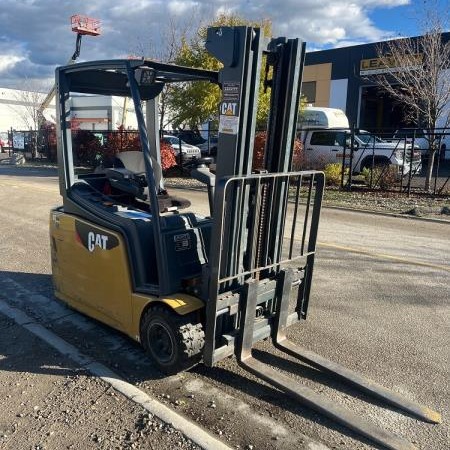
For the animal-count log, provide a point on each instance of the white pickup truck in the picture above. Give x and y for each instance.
(327, 146)
(325, 134)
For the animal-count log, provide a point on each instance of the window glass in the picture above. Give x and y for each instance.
(367, 138)
(309, 91)
(324, 138)
(410, 133)
(340, 138)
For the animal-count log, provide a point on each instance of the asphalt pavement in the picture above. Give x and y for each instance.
(380, 305)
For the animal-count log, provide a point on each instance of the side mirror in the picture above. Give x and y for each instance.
(348, 143)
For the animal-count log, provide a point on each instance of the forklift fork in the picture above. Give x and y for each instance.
(305, 395)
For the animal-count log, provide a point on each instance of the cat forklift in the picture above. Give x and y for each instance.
(200, 288)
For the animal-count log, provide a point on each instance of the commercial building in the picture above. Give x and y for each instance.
(17, 108)
(18, 111)
(337, 78)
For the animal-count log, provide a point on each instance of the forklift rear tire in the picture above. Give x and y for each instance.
(174, 342)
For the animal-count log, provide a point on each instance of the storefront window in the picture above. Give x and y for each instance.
(309, 91)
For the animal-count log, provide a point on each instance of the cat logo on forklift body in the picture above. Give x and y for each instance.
(91, 237)
(96, 240)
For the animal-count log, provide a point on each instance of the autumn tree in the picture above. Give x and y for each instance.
(416, 75)
(194, 103)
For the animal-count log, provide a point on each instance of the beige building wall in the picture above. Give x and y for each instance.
(321, 74)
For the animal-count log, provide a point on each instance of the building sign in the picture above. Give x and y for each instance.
(374, 66)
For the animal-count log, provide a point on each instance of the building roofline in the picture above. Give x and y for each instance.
(445, 34)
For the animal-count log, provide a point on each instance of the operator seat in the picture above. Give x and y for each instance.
(134, 160)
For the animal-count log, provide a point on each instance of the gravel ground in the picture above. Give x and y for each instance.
(229, 402)
(49, 403)
(388, 202)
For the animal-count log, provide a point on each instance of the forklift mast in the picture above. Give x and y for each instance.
(265, 224)
(252, 243)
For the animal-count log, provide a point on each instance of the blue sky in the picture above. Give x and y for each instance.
(401, 20)
(35, 35)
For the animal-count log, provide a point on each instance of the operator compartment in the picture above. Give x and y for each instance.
(118, 196)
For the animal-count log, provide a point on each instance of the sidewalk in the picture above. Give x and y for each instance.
(49, 403)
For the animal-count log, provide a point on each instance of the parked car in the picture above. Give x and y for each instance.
(188, 151)
(192, 137)
(209, 149)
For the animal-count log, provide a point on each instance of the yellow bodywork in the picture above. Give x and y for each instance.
(95, 278)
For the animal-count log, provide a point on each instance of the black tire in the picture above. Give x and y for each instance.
(174, 342)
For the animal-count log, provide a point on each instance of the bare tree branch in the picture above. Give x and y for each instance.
(172, 34)
(416, 73)
(29, 100)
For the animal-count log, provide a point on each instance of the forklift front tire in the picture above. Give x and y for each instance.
(174, 342)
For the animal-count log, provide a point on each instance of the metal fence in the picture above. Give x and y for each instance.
(32, 143)
(406, 161)
(382, 159)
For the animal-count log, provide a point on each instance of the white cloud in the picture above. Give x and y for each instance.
(384, 3)
(9, 61)
(39, 31)
(179, 7)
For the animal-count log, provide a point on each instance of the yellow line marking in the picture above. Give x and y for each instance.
(384, 256)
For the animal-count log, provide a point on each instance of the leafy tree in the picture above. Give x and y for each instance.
(123, 141)
(416, 76)
(259, 149)
(194, 103)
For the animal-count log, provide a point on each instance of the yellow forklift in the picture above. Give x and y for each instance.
(190, 287)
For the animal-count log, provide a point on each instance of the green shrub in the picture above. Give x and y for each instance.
(333, 174)
(383, 176)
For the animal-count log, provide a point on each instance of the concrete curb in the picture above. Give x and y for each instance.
(386, 214)
(188, 428)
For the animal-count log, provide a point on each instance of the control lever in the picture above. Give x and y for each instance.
(201, 172)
